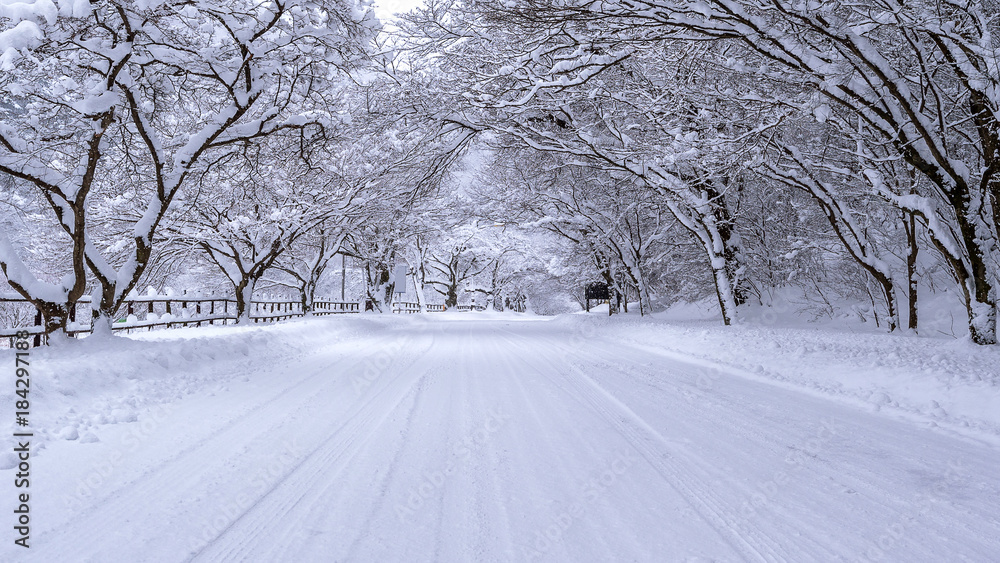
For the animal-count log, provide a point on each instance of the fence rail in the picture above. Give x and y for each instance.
(334, 308)
(146, 312)
(401, 307)
(409, 307)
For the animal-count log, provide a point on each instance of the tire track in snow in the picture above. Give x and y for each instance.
(89, 536)
(753, 543)
(516, 375)
(840, 487)
(490, 351)
(324, 464)
(392, 469)
(735, 432)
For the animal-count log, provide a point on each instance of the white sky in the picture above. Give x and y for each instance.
(385, 8)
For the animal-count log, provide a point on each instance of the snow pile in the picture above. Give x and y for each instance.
(939, 381)
(23, 23)
(82, 385)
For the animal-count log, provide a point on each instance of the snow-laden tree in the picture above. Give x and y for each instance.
(616, 111)
(163, 85)
(455, 258)
(919, 76)
(377, 246)
(307, 260)
(620, 222)
(255, 206)
(821, 165)
(501, 285)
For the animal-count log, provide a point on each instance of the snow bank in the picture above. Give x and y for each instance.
(939, 381)
(82, 385)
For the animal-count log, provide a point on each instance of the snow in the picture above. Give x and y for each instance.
(945, 383)
(822, 113)
(37, 10)
(97, 104)
(22, 36)
(16, 272)
(502, 436)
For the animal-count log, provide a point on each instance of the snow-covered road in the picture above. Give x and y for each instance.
(450, 439)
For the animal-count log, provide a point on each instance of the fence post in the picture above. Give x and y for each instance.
(38, 323)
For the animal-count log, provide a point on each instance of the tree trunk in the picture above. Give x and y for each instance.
(910, 225)
(418, 289)
(732, 251)
(244, 295)
(724, 291)
(451, 297)
(101, 323)
(55, 316)
(307, 296)
(709, 221)
(978, 286)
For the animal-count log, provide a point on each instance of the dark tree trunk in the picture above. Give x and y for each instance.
(910, 225)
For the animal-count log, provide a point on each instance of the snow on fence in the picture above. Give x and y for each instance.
(407, 307)
(334, 308)
(153, 311)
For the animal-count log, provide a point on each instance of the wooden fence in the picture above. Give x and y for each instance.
(146, 312)
(408, 307)
(400, 307)
(155, 311)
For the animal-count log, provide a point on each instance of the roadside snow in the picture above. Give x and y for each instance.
(479, 436)
(939, 381)
(81, 386)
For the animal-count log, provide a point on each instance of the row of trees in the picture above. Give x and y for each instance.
(254, 141)
(115, 112)
(880, 115)
(676, 149)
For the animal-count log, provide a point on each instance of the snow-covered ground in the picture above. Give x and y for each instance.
(504, 437)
